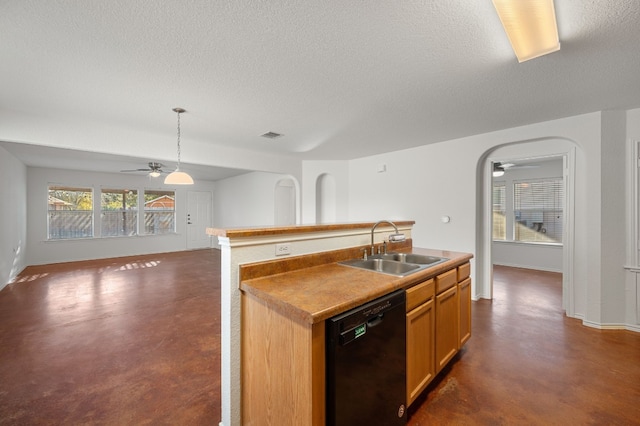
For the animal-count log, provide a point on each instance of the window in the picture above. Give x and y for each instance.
(538, 210)
(159, 212)
(119, 212)
(499, 212)
(70, 212)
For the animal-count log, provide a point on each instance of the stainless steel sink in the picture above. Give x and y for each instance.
(419, 259)
(385, 266)
(398, 264)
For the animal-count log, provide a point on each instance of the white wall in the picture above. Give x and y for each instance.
(247, 200)
(531, 256)
(632, 190)
(633, 237)
(311, 171)
(13, 217)
(41, 251)
(613, 231)
(448, 179)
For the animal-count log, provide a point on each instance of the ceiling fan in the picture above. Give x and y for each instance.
(499, 168)
(154, 169)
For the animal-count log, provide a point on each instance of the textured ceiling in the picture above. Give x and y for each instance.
(340, 79)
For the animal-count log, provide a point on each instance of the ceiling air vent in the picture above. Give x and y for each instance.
(271, 135)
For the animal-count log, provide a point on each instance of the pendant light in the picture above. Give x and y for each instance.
(177, 177)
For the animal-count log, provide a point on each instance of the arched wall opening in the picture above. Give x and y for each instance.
(326, 198)
(541, 147)
(286, 202)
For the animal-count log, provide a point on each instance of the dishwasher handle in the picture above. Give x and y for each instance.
(375, 320)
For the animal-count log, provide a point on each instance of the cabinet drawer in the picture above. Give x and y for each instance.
(418, 294)
(464, 271)
(446, 280)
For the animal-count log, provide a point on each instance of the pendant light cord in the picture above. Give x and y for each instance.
(178, 177)
(178, 140)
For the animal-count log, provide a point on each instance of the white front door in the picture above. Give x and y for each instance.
(199, 207)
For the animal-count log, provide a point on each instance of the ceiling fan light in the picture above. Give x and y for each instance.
(154, 174)
(530, 26)
(498, 173)
(178, 178)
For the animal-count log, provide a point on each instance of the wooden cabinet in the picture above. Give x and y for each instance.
(438, 324)
(283, 365)
(446, 280)
(447, 342)
(464, 296)
(453, 313)
(420, 338)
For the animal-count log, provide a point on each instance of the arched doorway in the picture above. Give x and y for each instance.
(326, 207)
(547, 147)
(285, 202)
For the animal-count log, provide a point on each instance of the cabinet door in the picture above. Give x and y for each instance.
(447, 324)
(464, 293)
(420, 349)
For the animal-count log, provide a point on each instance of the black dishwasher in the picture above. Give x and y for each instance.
(366, 367)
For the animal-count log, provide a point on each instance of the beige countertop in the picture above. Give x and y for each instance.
(316, 293)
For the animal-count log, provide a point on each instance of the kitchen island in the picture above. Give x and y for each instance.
(316, 293)
(286, 300)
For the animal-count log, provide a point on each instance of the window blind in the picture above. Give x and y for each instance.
(499, 212)
(538, 210)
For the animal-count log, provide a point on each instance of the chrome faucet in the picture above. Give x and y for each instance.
(397, 237)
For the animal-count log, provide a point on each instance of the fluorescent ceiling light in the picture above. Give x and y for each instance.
(530, 25)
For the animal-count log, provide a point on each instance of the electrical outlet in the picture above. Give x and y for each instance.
(282, 249)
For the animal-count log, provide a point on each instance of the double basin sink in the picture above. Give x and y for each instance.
(398, 264)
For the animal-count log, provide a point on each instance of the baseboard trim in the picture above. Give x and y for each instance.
(634, 327)
(629, 327)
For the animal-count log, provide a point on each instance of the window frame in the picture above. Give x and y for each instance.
(147, 211)
(503, 186)
(89, 231)
(511, 222)
(133, 221)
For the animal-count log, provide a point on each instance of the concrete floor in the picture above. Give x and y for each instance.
(127, 341)
(528, 364)
(136, 340)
